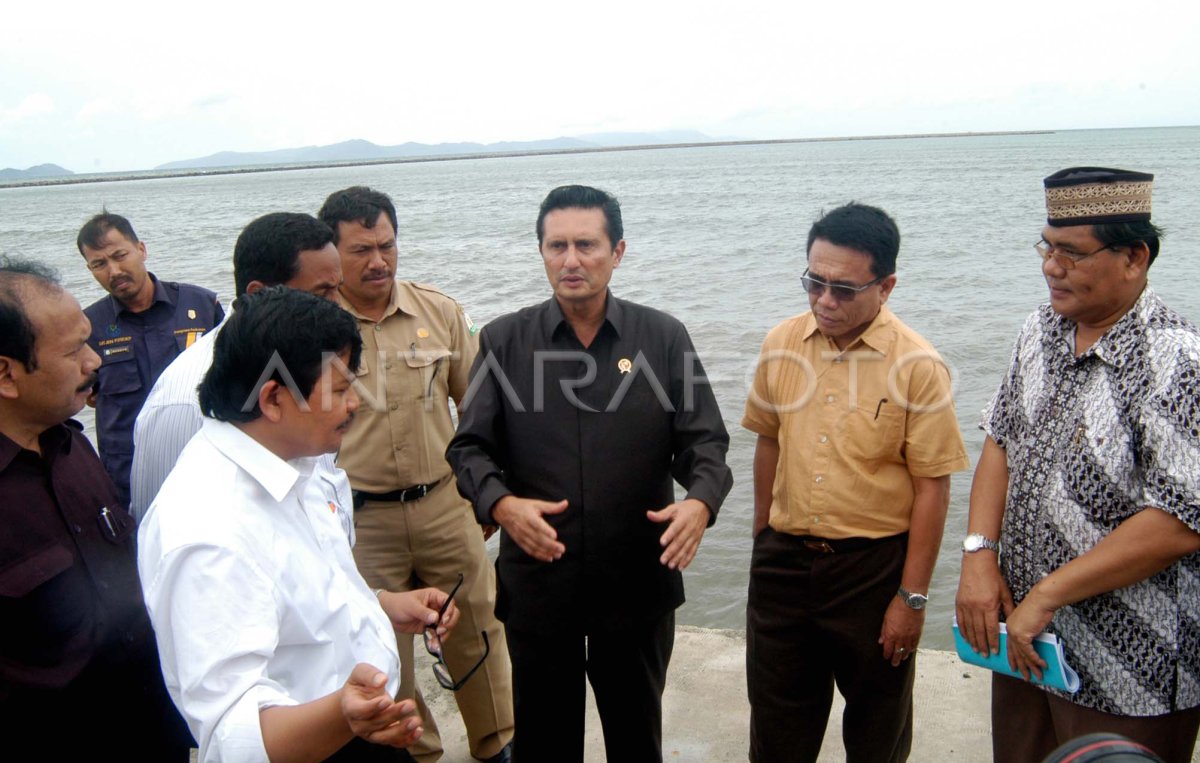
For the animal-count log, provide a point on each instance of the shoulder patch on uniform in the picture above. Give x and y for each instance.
(430, 287)
(472, 329)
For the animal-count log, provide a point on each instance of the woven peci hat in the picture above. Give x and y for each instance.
(1096, 195)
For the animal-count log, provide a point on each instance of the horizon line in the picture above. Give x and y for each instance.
(154, 174)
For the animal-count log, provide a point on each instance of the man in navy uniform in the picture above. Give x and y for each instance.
(137, 330)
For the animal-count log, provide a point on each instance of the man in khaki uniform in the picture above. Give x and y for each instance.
(412, 527)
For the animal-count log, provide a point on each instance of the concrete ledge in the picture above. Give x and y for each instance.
(706, 716)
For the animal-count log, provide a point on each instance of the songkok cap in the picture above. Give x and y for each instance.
(1097, 195)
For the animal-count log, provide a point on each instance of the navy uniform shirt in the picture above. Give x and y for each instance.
(134, 348)
(609, 428)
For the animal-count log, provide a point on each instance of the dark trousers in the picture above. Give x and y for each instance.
(813, 619)
(1028, 724)
(628, 671)
(116, 709)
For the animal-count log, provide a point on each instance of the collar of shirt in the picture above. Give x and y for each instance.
(398, 302)
(880, 335)
(553, 319)
(1108, 348)
(161, 294)
(275, 475)
(56, 438)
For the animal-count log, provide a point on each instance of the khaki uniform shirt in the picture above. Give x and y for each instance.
(414, 361)
(854, 427)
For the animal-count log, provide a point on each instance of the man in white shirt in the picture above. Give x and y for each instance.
(287, 248)
(272, 645)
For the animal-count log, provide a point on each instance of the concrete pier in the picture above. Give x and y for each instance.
(706, 716)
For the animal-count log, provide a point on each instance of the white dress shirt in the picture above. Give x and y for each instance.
(252, 589)
(170, 417)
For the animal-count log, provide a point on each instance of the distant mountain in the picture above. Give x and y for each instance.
(356, 150)
(40, 171)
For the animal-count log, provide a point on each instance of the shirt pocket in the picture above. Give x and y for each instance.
(870, 438)
(23, 577)
(119, 371)
(429, 369)
(185, 339)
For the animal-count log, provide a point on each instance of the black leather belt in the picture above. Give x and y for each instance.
(404, 495)
(842, 545)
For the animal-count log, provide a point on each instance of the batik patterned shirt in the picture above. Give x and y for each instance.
(1091, 441)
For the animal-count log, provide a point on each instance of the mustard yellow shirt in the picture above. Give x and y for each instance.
(414, 361)
(854, 426)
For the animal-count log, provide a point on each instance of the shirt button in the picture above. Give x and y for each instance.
(393, 406)
(819, 478)
(378, 327)
(816, 520)
(829, 398)
(387, 366)
(76, 529)
(824, 438)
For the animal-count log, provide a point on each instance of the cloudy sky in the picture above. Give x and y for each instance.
(122, 85)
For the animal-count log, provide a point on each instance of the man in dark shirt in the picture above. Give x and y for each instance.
(79, 674)
(579, 413)
(138, 329)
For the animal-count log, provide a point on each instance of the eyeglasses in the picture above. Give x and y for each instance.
(1065, 258)
(842, 292)
(433, 645)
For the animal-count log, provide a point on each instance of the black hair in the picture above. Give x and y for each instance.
(18, 280)
(583, 197)
(863, 228)
(285, 330)
(93, 231)
(268, 249)
(1126, 234)
(357, 204)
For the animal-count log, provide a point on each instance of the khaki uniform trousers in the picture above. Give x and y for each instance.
(428, 542)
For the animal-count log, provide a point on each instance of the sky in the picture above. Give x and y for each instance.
(123, 85)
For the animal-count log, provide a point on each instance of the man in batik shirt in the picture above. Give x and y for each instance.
(1090, 481)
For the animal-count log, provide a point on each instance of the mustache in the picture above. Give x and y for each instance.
(90, 383)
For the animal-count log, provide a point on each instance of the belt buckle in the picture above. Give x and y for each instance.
(821, 546)
(414, 493)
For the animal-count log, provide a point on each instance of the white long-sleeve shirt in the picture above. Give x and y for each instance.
(168, 419)
(252, 589)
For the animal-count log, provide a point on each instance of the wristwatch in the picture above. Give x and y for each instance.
(975, 542)
(912, 600)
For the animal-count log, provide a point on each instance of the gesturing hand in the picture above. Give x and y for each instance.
(372, 714)
(686, 521)
(522, 519)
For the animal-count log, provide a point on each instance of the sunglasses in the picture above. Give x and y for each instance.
(433, 645)
(842, 292)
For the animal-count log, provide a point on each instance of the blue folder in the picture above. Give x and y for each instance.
(1057, 672)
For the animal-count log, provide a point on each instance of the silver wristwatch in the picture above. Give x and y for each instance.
(976, 542)
(912, 600)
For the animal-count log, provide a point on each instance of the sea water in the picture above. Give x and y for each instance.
(716, 237)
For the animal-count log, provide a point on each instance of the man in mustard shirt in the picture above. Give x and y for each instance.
(412, 527)
(857, 439)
